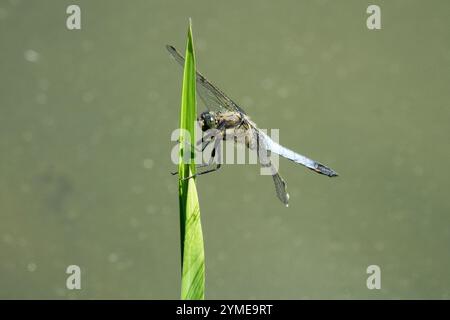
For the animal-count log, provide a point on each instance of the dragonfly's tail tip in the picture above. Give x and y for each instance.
(334, 174)
(320, 168)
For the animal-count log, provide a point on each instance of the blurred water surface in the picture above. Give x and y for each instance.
(85, 123)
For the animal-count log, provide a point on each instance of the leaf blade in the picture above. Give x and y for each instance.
(191, 236)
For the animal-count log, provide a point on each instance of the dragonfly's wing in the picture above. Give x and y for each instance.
(298, 158)
(212, 97)
(280, 189)
(264, 159)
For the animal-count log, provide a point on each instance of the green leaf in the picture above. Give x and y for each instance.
(192, 251)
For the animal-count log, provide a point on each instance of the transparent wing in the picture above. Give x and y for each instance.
(280, 189)
(212, 97)
(264, 159)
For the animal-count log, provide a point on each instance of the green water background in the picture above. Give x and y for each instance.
(85, 124)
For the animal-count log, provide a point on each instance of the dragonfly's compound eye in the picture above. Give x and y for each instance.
(208, 121)
(211, 121)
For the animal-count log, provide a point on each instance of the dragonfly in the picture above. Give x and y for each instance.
(224, 118)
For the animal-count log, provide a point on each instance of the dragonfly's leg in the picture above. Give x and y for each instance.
(206, 139)
(217, 167)
(198, 150)
(205, 144)
(211, 135)
(198, 167)
(190, 145)
(213, 154)
(216, 150)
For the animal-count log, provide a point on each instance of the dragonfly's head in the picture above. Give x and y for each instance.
(207, 120)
